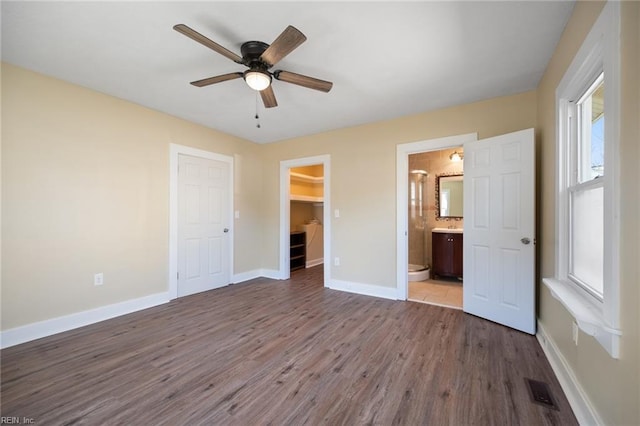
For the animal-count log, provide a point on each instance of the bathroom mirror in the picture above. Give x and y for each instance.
(449, 191)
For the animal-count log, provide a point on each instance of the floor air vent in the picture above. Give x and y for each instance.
(540, 393)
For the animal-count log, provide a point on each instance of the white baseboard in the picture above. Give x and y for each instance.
(256, 273)
(37, 330)
(314, 262)
(274, 274)
(245, 276)
(26, 333)
(583, 409)
(365, 289)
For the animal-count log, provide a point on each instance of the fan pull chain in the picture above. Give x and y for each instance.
(257, 116)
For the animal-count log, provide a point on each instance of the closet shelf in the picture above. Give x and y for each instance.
(306, 198)
(306, 178)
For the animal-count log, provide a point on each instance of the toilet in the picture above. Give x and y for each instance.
(418, 272)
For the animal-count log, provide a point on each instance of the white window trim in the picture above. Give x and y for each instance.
(599, 51)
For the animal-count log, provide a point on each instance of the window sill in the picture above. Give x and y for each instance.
(587, 314)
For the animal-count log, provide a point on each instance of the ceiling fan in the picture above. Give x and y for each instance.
(259, 57)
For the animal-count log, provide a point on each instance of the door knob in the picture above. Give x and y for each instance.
(525, 240)
(226, 230)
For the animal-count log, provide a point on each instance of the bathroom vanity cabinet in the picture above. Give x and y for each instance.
(447, 254)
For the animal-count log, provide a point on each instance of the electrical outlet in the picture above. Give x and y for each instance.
(574, 330)
(336, 213)
(98, 279)
(336, 261)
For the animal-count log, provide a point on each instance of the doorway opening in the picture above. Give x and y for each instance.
(403, 203)
(306, 208)
(499, 209)
(435, 223)
(305, 225)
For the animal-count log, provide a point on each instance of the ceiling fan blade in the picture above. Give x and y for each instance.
(216, 79)
(192, 34)
(268, 97)
(286, 42)
(303, 80)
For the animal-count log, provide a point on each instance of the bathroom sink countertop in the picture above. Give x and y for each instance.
(448, 230)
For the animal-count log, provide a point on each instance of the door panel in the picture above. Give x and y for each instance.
(215, 255)
(203, 219)
(216, 203)
(192, 258)
(499, 196)
(481, 211)
(477, 280)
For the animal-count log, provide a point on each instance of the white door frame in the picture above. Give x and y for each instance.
(402, 196)
(285, 213)
(174, 151)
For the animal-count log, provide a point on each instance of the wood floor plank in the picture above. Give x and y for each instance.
(282, 352)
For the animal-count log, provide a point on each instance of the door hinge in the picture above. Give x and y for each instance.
(177, 275)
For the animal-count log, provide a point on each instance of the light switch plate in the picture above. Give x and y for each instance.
(98, 279)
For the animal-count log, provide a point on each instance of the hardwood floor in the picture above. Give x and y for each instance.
(282, 352)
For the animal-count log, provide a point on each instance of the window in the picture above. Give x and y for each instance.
(586, 188)
(586, 279)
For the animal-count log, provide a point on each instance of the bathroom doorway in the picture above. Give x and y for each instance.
(435, 223)
(403, 151)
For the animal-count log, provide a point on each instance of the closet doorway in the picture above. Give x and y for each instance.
(305, 220)
(306, 215)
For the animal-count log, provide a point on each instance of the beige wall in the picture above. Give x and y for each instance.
(612, 386)
(85, 189)
(363, 179)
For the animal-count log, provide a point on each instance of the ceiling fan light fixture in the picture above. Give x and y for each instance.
(257, 80)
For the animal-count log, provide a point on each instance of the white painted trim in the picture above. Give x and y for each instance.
(588, 316)
(246, 276)
(582, 407)
(29, 332)
(174, 151)
(274, 274)
(285, 213)
(599, 52)
(241, 277)
(37, 330)
(314, 262)
(402, 195)
(364, 289)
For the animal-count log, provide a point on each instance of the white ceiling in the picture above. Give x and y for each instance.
(386, 59)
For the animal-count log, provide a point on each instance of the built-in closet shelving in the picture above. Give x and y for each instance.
(316, 180)
(297, 250)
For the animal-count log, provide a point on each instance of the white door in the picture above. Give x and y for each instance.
(203, 224)
(499, 230)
